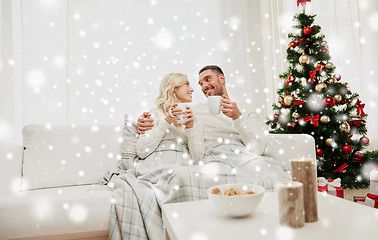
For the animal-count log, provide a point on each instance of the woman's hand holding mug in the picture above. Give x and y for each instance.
(174, 113)
(189, 118)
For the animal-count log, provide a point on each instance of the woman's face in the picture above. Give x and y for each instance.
(184, 92)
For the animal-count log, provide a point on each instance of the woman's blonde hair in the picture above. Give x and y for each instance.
(166, 95)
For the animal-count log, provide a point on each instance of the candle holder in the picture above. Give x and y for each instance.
(291, 204)
(304, 171)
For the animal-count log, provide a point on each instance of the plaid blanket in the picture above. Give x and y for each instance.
(136, 208)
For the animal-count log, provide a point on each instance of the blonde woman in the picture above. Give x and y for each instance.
(168, 142)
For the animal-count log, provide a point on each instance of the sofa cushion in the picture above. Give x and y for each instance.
(55, 211)
(128, 149)
(68, 155)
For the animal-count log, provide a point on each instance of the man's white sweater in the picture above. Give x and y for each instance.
(247, 130)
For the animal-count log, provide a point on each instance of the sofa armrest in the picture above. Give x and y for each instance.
(10, 170)
(285, 147)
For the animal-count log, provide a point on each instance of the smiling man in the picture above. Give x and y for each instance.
(213, 82)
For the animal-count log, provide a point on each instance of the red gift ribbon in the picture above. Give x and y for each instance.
(302, 2)
(360, 108)
(356, 122)
(341, 168)
(314, 120)
(298, 102)
(372, 196)
(299, 41)
(319, 67)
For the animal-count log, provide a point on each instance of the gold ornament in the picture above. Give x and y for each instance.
(338, 98)
(344, 127)
(288, 100)
(329, 65)
(320, 86)
(324, 43)
(330, 142)
(304, 59)
(331, 80)
(324, 119)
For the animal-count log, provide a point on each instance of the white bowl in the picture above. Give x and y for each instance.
(236, 205)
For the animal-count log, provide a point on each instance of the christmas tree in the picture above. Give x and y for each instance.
(314, 100)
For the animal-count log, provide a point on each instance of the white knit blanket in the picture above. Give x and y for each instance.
(136, 211)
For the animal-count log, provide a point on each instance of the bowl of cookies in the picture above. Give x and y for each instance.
(236, 200)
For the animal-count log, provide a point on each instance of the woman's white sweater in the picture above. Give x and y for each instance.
(192, 138)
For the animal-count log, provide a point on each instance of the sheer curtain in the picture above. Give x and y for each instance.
(8, 86)
(92, 61)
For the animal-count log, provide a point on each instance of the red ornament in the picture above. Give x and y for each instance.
(275, 116)
(292, 45)
(346, 149)
(358, 157)
(364, 140)
(329, 101)
(307, 31)
(319, 152)
(337, 76)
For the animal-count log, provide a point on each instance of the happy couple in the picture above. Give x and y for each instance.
(170, 135)
(181, 158)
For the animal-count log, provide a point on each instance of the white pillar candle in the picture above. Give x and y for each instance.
(291, 204)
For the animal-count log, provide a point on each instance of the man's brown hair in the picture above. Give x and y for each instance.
(211, 67)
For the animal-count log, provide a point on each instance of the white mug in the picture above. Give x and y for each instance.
(214, 104)
(181, 106)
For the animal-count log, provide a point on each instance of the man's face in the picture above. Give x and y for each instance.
(211, 83)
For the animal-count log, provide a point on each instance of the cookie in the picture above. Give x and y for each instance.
(216, 191)
(232, 192)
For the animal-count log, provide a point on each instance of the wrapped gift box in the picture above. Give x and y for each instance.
(331, 186)
(371, 200)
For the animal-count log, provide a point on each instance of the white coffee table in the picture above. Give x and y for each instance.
(338, 219)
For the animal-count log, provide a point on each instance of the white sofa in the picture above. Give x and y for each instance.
(50, 186)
